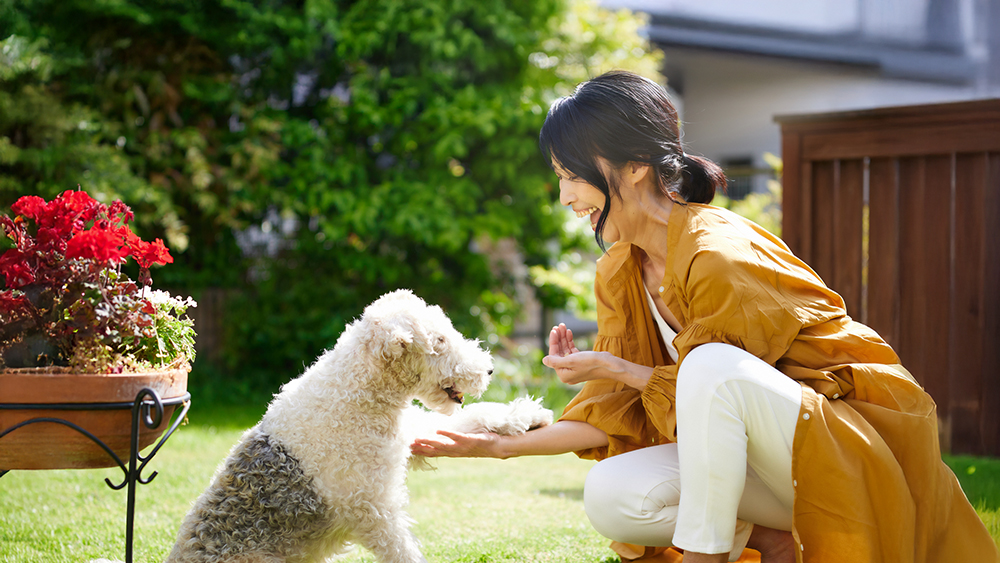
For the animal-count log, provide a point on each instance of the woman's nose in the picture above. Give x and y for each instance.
(566, 196)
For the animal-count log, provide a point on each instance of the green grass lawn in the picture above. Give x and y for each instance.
(469, 510)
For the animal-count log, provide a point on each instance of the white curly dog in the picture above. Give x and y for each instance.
(326, 466)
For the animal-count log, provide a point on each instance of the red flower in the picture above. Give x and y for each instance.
(95, 244)
(31, 206)
(79, 202)
(131, 240)
(50, 240)
(149, 253)
(70, 212)
(118, 210)
(15, 267)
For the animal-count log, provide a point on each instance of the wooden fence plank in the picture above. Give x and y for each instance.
(806, 213)
(925, 185)
(936, 270)
(847, 234)
(975, 112)
(883, 249)
(911, 286)
(903, 141)
(822, 252)
(990, 421)
(791, 195)
(967, 322)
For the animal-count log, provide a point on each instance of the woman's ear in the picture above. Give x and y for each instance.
(636, 171)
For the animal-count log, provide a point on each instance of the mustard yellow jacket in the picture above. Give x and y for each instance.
(870, 484)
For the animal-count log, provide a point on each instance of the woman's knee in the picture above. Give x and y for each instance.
(705, 368)
(632, 493)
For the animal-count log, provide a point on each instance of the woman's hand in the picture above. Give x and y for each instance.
(456, 444)
(571, 365)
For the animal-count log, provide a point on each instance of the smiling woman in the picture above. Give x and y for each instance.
(650, 137)
(723, 363)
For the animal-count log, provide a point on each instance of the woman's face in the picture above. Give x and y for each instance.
(586, 200)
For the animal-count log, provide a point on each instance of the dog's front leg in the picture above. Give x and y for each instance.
(390, 539)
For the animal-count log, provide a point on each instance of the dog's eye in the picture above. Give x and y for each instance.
(440, 340)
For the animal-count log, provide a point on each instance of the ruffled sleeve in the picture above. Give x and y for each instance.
(614, 408)
(604, 403)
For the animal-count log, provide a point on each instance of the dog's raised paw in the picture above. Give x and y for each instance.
(537, 415)
(508, 419)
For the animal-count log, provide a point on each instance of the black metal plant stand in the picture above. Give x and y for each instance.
(147, 407)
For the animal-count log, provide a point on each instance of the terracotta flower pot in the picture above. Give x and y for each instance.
(48, 445)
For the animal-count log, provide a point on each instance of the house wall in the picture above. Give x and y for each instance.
(734, 65)
(730, 100)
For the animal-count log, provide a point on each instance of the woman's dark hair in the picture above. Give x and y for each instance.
(623, 117)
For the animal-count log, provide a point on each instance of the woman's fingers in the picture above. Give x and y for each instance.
(565, 366)
(567, 339)
(561, 341)
(456, 445)
(555, 342)
(455, 436)
(433, 448)
(552, 360)
(570, 345)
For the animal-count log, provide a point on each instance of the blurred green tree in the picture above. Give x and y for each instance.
(309, 155)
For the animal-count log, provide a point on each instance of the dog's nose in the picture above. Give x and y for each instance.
(490, 372)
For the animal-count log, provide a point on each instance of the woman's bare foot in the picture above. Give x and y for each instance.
(775, 546)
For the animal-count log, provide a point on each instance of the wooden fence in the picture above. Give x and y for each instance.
(898, 209)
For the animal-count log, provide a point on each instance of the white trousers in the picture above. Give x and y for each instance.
(730, 468)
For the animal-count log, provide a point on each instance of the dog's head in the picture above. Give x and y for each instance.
(419, 348)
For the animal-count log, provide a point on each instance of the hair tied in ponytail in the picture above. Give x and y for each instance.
(701, 178)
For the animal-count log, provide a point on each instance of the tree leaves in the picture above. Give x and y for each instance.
(393, 135)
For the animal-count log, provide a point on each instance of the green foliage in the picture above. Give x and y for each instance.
(50, 142)
(761, 208)
(310, 155)
(569, 284)
(172, 334)
(517, 375)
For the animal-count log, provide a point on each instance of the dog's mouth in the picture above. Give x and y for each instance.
(453, 394)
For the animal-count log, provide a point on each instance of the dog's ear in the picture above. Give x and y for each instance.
(398, 340)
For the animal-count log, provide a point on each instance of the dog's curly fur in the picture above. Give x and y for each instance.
(326, 466)
(260, 480)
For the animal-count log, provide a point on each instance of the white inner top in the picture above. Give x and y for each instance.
(666, 332)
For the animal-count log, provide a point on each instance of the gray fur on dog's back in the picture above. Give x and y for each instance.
(262, 501)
